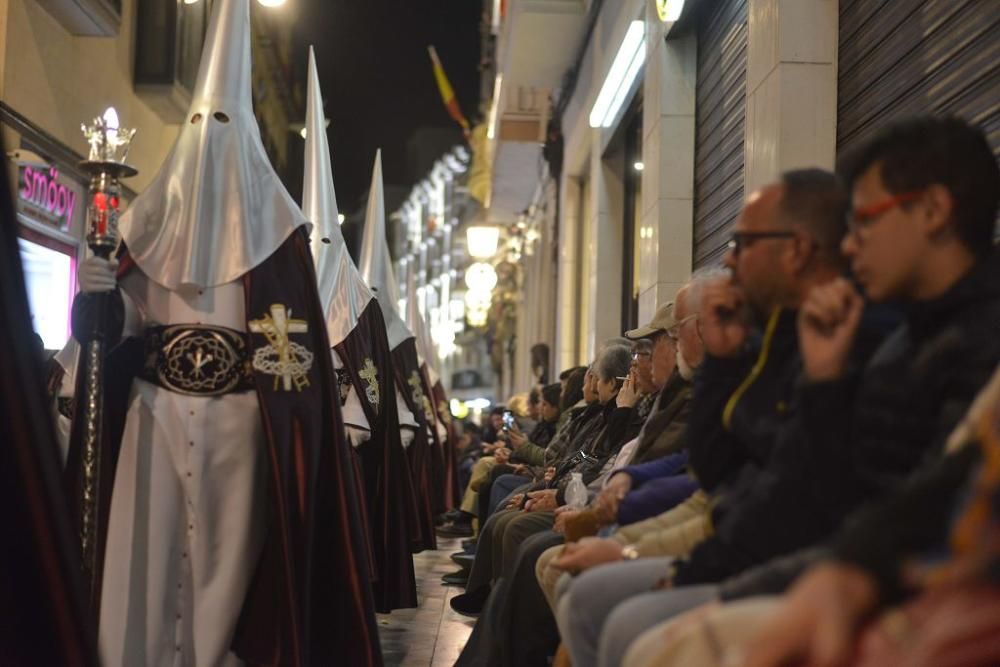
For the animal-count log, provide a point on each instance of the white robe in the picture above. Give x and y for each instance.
(407, 422)
(356, 426)
(188, 508)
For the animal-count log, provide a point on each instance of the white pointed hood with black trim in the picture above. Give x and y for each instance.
(216, 209)
(375, 262)
(342, 290)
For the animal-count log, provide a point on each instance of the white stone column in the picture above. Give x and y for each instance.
(791, 117)
(568, 274)
(603, 268)
(665, 233)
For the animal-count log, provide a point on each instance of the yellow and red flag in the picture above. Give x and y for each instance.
(447, 94)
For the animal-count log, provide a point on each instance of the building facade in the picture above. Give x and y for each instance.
(62, 63)
(669, 112)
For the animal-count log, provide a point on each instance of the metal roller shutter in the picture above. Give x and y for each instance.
(904, 57)
(720, 112)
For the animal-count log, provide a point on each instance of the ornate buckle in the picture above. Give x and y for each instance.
(202, 361)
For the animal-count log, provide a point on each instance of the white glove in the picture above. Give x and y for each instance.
(97, 275)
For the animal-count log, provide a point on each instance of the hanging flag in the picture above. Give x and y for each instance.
(447, 94)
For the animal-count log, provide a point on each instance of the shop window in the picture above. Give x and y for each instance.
(49, 274)
(632, 218)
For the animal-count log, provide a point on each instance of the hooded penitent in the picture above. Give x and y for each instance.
(234, 530)
(375, 262)
(358, 336)
(217, 171)
(445, 474)
(376, 268)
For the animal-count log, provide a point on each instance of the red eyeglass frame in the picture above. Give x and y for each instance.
(862, 217)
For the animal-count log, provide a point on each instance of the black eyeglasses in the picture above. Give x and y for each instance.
(741, 240)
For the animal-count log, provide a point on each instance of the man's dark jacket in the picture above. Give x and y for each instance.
(854, 440)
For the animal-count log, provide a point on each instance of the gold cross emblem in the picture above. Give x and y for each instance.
(285, 359)
(370, 375)
(198, 360)
(418, 396)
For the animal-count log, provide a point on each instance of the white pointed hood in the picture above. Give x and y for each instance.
(342, 290)
(418, 325)
(376, 264)
(216, 209)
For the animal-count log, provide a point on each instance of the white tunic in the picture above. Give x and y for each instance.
(188, 508)
(407, 422)
(356, 426)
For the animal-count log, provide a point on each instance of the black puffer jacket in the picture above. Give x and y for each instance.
(738, 405)
(854, 440)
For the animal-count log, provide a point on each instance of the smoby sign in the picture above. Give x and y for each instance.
(43, 196)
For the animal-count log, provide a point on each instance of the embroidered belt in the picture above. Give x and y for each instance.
(198, 360)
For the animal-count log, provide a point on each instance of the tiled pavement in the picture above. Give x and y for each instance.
(431, 635)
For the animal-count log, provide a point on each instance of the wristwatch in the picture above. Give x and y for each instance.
(629, 552)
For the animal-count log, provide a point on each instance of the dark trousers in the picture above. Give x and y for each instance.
(516, 627)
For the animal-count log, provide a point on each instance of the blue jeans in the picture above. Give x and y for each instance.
(504, 486)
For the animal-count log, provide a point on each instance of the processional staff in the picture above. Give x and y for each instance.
(109, 145)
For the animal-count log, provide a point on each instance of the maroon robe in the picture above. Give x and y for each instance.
(389, 493)
(310, 600)
(438, 472)
(420, 453)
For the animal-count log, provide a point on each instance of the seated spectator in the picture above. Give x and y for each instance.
(878, 599)
(603, 437)
(470, 449)
(517, 627)
(785, 242)
(921, 235)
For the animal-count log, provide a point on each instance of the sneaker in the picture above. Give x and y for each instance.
(459, 578)
(471, 603)
(452, 529)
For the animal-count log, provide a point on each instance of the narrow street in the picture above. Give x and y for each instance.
(431, 635)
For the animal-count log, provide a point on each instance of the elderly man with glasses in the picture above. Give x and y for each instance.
(785, 242)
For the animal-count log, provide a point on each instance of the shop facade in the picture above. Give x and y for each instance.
(64, 63)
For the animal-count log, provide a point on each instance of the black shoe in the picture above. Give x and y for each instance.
(470, 545)
(452, 529)
(459, 578)
(463, 559)
(471, 603)
(452, 515)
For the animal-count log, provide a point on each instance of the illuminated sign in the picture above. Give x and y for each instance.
(43, 196)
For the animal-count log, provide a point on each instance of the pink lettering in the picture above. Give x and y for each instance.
(61, 197)
(40, 186)
(70, 204)
(26, 190)
(52, 196)
(43, 189)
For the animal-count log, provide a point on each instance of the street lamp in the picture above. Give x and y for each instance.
(482, 241)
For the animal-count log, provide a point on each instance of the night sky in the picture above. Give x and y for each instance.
(378, 85)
